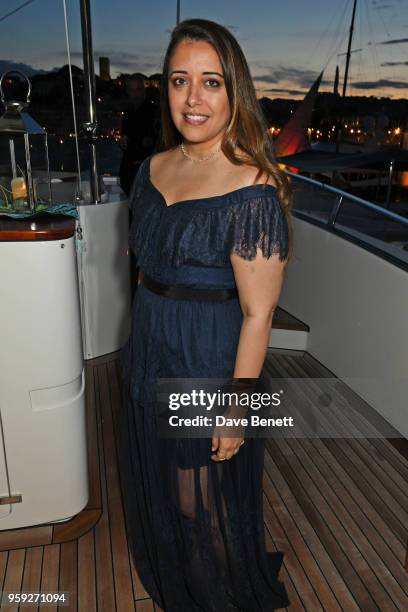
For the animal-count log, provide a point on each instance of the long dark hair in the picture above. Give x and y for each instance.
(247, 129)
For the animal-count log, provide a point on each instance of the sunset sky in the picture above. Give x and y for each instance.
(287, 43)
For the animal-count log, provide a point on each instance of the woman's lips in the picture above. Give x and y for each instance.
(192, 119)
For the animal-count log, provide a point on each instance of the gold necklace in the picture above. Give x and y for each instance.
(198, 159)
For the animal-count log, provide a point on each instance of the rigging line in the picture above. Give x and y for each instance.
(383, 22)
(16, 10)
(322, 36)
(337, 34)
(361, 74)
(391, 50)
(72, 98)
(344, 29)
(340, 35)
(374, 45)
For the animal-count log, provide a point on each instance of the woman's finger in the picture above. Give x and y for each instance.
(225, 451)
(215, 442)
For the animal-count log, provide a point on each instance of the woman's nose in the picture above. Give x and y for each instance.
(193, 95)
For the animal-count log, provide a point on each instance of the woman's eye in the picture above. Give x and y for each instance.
(177, 80)
(213, 83)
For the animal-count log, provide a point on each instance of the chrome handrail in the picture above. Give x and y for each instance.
(343, 194)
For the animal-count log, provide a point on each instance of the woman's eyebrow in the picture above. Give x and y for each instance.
(186, 72)
(219, 74)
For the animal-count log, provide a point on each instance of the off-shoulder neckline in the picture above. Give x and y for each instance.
(257, 187)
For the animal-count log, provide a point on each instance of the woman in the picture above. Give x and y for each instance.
(212, 235)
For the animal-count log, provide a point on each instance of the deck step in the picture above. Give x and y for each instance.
(288, 332)
(284, 320)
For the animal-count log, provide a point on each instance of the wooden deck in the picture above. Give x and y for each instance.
(337, 508)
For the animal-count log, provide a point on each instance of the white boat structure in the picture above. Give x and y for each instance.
(336, 503)
(65, 299)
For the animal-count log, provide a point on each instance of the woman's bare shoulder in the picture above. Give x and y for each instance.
(263, 179)
(246, 175)
(161, 159)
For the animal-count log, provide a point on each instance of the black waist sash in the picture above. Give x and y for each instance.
(188, 293)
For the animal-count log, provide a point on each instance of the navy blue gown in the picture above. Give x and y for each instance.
(195, 527)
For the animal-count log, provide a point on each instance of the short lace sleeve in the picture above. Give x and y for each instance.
(258, 223)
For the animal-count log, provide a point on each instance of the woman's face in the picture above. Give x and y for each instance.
(198, 98)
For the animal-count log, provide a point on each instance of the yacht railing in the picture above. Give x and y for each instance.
(371, 226)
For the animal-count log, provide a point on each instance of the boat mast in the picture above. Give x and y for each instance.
(349, 48)
(90, 102)
(348, 54)
(178, 12)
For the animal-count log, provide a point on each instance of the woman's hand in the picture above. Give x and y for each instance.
(225, 448)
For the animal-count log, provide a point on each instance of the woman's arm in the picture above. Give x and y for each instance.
(259, 283)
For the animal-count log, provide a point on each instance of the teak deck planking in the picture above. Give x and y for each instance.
(337, 508)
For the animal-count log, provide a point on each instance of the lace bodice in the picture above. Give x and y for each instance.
(178, 243)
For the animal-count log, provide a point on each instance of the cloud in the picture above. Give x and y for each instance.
(290, 92)
(297, 76)
(394, 64)
(380, 84)
(123, 61)
(266, 78)
(393, 41)
(381, 7)
(6, 65)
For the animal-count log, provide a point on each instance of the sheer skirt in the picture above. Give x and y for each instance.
(195, 526)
